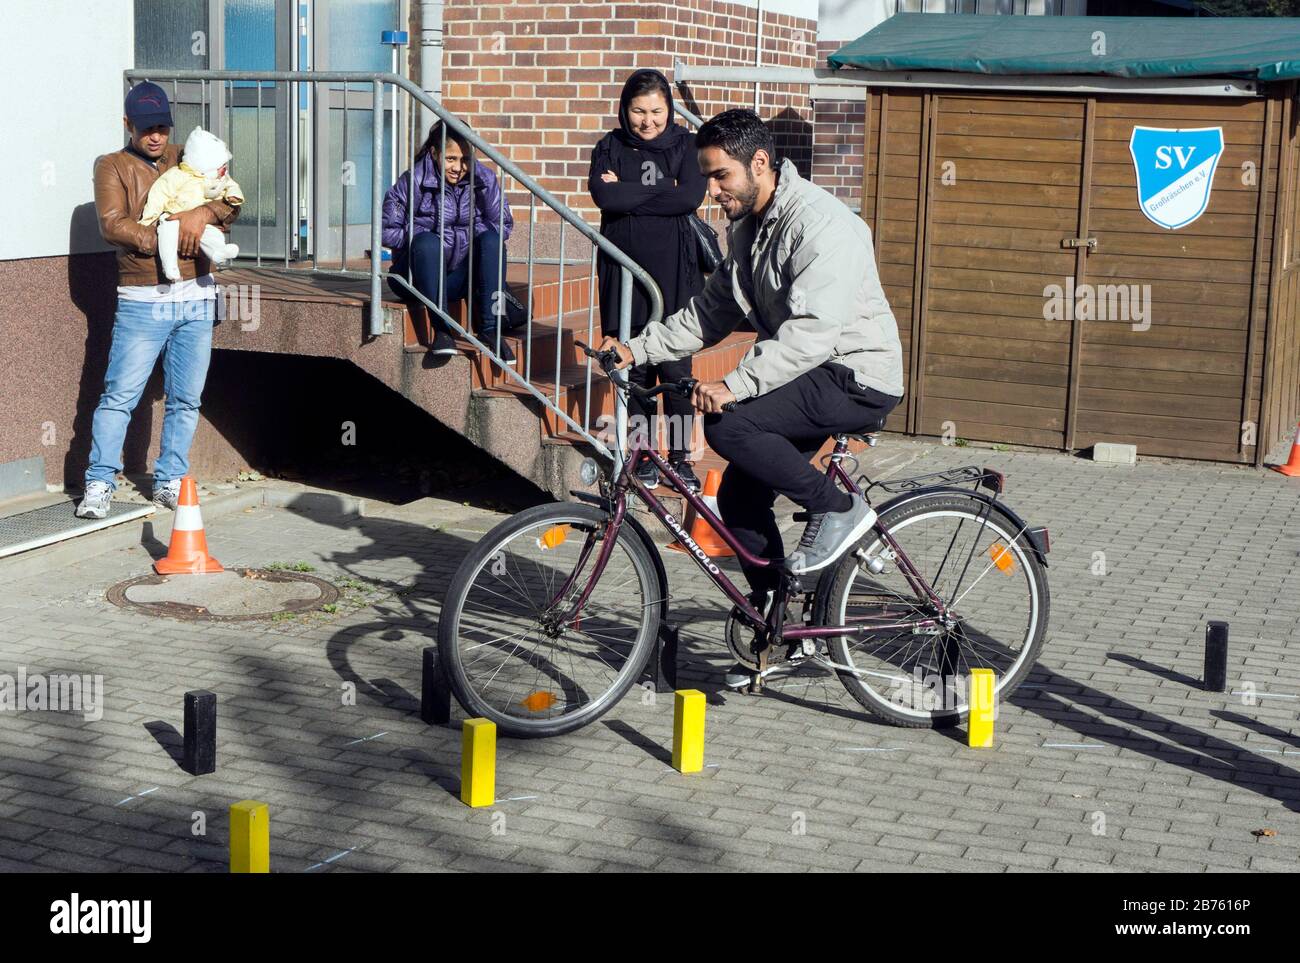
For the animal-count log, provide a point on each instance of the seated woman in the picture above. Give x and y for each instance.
(441, 232)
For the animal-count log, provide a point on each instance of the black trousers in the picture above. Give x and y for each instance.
(677, 407)
(768, 441)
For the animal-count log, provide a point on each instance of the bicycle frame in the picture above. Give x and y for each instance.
(774, 625)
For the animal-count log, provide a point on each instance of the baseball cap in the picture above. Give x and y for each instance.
(146, 106)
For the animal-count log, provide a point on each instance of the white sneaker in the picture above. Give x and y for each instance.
(96, 501)
(167, 494)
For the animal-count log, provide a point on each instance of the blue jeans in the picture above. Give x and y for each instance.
(423, 258)
(182, 332)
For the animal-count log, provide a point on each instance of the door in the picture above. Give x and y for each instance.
(346, 35)
(1169, 374)
(993, 356)
(257, 121)
(254, 120)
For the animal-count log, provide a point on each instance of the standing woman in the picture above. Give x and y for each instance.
(647, 183)
(449, 218)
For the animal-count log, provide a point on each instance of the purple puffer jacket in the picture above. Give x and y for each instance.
(487, 213)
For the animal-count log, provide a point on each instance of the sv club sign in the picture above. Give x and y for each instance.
(1175, 171)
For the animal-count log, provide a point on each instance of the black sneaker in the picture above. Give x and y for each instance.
(516, 314)
(443, 343)
(489, 338)
(683, 469)
(647, 474)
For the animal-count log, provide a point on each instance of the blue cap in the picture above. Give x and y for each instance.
(146, 106)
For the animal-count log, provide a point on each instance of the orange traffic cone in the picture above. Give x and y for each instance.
(188, 552)
(701, 531)
(1292, 466)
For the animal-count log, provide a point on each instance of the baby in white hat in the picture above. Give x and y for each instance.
(200, 177)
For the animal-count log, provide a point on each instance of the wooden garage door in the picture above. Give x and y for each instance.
(1179, 386)
(892, 186)
(1004, 191)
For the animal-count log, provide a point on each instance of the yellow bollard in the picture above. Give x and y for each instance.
(688, 730)
(478, 763)
(250, 837)
(979, 727)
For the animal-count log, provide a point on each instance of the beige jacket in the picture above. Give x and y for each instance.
(805, 277)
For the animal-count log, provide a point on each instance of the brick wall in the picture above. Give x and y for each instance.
(541, 80)
(837, 157)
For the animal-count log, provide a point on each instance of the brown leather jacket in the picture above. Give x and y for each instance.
(122, 182)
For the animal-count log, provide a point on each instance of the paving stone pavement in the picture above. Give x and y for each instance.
(1110, 759)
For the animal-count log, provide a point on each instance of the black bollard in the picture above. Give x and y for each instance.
(435, 697)
(1216, 656)
(664, 659)
(200, 732)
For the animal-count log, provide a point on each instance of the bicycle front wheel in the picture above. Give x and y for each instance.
(510, 653)
(983, 567)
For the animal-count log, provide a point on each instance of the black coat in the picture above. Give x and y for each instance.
(646, 215)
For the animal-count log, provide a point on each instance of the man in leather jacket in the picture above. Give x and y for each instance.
(153, 316)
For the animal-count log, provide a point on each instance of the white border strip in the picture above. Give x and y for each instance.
(829, 84)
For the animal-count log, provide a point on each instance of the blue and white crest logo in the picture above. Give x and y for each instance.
(1175, 171)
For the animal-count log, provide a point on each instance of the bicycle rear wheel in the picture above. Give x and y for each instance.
(975, 558)
(510, 656)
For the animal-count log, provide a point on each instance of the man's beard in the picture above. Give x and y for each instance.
(747, 196)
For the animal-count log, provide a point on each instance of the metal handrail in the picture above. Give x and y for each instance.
(630, 269)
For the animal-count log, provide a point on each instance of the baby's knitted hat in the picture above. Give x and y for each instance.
(205, 152)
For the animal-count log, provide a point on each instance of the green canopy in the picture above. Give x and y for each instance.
(1263, 48)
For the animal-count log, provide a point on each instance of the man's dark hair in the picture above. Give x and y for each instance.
(739, 134)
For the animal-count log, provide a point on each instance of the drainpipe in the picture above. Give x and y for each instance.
(758, 52)
(430, 58)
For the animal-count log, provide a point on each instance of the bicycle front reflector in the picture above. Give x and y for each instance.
(1001, 557)
(553, 537)
(538, 701)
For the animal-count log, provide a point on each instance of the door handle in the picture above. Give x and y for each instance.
(1089, 242)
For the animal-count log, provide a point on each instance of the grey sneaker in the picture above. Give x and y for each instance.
(96, 501)
(828, 535)
(166, 494)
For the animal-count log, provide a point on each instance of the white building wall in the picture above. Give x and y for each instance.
(62, 107)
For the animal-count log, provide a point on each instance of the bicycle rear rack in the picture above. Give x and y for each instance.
(983, 477)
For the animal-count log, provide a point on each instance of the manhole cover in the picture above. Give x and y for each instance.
(235, 595)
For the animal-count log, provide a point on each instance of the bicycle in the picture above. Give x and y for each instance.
(554, 614)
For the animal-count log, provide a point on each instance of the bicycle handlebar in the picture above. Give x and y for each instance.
(609, 362)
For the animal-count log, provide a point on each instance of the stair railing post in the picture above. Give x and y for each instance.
(376, 204)
(624, 335)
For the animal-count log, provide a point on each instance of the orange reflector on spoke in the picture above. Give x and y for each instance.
(538, 701)
(553, 537)
(1002, 558)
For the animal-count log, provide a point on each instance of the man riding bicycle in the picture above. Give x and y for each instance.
(827, 360)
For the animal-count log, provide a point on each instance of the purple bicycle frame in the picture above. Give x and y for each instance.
(627, 481)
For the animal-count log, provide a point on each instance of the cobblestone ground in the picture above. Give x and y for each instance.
(1111, 758)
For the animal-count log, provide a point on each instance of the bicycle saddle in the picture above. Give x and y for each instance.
(867, 434)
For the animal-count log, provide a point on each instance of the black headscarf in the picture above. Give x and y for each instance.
(670, 138)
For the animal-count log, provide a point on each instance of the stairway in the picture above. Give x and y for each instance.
(323, 314)
(574, 386)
